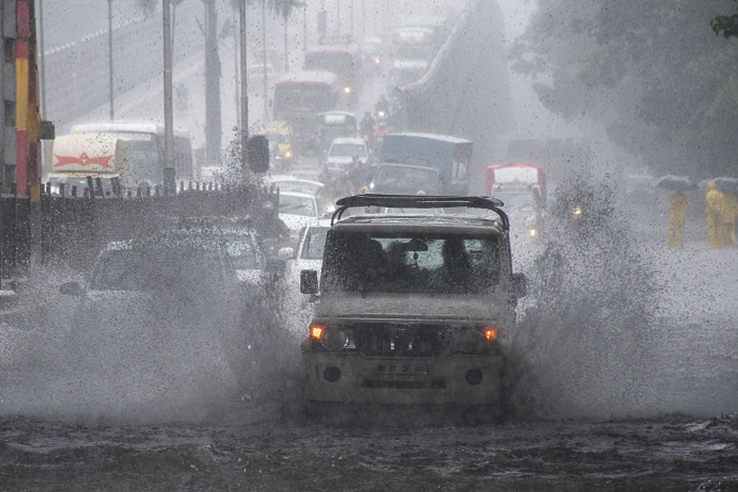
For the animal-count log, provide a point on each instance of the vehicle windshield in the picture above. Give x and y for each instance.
(242, 252)
(297, 205)
(518, 202)
(158, 269)
(300, 99)
(410, 263)
(348, 149)
(314, 243)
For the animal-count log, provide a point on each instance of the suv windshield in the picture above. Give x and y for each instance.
(410, 263)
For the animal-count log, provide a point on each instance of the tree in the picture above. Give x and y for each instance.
(725, 24)
(647, 71)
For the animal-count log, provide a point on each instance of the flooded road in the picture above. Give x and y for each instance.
(597, 403)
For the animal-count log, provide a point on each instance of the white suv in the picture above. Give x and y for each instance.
(412, 308)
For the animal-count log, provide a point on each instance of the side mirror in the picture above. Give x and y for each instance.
(286, 253)
(519, 284)
(309, 282)
(71, 289)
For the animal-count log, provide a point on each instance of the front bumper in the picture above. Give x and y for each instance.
(350, 377)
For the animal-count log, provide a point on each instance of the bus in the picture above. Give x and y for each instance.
(344, 60)
(122, 155)
(299, 98)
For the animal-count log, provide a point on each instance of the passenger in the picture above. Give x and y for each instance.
(457, 266)
(678, 205)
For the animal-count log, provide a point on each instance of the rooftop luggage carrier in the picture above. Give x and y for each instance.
(420, 201)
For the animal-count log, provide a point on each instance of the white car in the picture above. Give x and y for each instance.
(298, 210)
(307, 256)
(292, 183)
(342, 153)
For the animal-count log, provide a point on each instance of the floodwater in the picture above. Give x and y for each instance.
(620, 378)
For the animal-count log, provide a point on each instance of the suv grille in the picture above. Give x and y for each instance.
(403, 340)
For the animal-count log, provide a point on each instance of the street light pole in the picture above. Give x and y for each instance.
(110, 59)
(244, 86)
(265, 82)
(169, 176)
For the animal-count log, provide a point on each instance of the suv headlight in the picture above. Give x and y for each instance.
(478, 340)
(332, 338)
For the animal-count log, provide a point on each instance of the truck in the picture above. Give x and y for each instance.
(522, 188)
(115, 157)
(440, 161)
(413, 309)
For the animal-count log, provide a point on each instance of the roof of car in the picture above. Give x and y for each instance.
(427, 222)
(297, 194)
(351, 140)
(394, 201)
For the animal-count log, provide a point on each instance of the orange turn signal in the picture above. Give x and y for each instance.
(316, 331)
(490, 334)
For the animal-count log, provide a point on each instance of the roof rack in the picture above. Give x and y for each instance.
(420, 201)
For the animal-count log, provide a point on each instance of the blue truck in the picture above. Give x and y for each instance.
(423, 163)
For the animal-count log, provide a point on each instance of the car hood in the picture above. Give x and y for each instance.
(414, 307)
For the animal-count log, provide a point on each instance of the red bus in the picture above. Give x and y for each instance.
(344, 60)
(299, 98)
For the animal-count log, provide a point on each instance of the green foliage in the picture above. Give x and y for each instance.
(725, 24)
(650, 72)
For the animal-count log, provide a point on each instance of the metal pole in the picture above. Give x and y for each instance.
(42, 57)
(265, 82)
(169, 177)
(110, 59)
(244, 86)
(286, 46)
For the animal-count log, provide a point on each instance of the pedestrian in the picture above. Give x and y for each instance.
(713, 222)
(728, 217)
(678, 205)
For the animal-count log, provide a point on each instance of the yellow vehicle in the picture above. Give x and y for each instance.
(279, 134)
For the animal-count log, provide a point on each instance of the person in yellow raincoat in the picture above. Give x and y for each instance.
(678, 205)
(713, 222)
(728, 215)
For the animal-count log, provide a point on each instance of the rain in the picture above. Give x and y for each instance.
(526, 210)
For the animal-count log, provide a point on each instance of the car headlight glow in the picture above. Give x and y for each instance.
(480, 340)
(347, 90)
(331, 338)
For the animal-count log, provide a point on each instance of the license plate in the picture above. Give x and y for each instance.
(403, 369)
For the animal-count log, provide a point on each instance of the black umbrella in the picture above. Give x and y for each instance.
(725, 184)
(675, 183)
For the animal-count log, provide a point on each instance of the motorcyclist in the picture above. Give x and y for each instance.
(378, 136)
(383, 105)
(367, 125)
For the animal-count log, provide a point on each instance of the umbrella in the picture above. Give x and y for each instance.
(675, 183)
(725, 184)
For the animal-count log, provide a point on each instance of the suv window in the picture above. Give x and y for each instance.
(410, 263)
